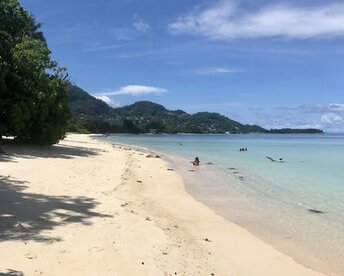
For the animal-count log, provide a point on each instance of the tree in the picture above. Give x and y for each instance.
(156, 125)
(33, 89)
(129, 127)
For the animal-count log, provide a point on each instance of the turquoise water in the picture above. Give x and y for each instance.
(270, 199)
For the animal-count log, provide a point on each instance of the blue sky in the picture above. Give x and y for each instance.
(272, 63)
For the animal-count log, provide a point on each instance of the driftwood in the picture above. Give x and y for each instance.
(273, 160)
(315, 211)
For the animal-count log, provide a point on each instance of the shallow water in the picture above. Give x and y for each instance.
(270, 199)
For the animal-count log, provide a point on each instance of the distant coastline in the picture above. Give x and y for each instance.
(296, 131)
(91, 115)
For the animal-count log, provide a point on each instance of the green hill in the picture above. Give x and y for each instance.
(83, 104)
(93, 115)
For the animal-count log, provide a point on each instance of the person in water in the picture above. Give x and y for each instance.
(196, 162)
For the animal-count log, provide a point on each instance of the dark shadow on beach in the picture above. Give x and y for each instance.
(10, 151)
(11, 272)
(23, 216)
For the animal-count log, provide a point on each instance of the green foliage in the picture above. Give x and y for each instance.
(215, 123)
(83, 104)
(148, 115)
(143, 117)
(156, 125)
(78, 127)
(129, 127)
(33, 89)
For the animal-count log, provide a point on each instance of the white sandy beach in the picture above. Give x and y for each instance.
(86, 207)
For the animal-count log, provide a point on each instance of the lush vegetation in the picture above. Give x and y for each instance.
(33, 89)
(94, 116)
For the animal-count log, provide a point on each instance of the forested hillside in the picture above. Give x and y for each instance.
(93, 115)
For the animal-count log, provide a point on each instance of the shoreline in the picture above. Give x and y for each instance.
(259, 221)
(86, 207)
(178, 162)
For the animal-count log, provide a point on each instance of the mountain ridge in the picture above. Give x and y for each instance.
(93, 115)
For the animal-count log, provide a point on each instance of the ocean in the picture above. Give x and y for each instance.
(296, 206)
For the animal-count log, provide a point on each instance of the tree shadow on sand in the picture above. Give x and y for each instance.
(12, 151)
(11, 272)
(24, 216)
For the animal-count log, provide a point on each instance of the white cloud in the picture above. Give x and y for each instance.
(216, 71)
(101, 48)
(138, 55)
(336, 107)
(141, 26)
(317, 108)
(225, 20)
(284, 120)
(133, 31)
(139, 90)
(332, 107)
(107, 100)
(331, 119)
(135, 90)
(122, 33)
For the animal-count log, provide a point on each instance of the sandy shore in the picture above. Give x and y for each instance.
(85, 207)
